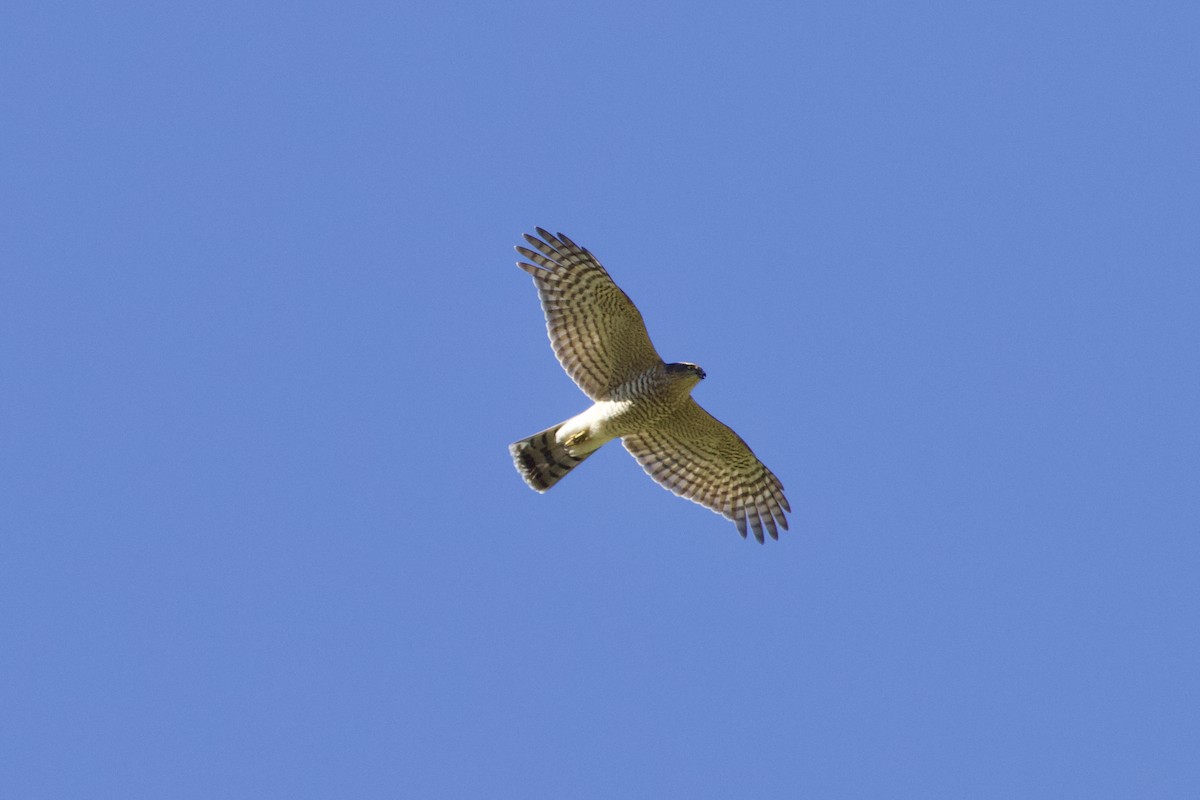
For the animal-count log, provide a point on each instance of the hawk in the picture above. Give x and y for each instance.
(601, 341)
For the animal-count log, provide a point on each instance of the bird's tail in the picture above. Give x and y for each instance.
(542, 460)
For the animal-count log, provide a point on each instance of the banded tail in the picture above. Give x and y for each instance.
(542, 461)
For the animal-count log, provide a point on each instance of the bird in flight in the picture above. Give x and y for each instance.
(601, 341)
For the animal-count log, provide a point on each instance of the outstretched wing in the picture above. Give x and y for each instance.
(595, 329)
(697, 456)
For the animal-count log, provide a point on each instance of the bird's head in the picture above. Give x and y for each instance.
(685, 371)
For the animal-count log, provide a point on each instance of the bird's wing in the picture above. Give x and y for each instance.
(697, 456)
(595, 329)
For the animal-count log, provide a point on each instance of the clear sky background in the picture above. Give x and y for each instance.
(263, 348)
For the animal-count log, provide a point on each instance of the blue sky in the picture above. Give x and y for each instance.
(264, 349)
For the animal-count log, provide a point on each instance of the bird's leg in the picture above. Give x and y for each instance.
(576, 438)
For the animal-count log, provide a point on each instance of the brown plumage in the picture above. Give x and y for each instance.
(600, 339)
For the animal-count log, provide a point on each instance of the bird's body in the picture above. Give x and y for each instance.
(634, 406)
(600, 339)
